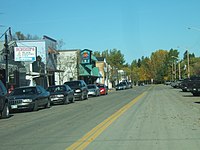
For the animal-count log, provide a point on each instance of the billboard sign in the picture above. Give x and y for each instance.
(25, 53)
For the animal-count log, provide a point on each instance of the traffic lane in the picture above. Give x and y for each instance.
(163, 119)
(59, 126)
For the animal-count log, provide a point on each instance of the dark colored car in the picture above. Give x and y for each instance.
(184, 84)
(93, 90)
(29, 97)
(103, 89)
(80, 89)
(120, 86)
(61, 94)
(4, 105)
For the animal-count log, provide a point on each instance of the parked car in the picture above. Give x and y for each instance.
(176, 84)
(103, 89)
(184, 84)
(80, 89)
(61, 94)
(120, 86)
(93, 90)
(29, 97)
(194, 86)
(4, 105)
(191, 84)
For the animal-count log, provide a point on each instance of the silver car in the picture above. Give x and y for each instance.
(93, 90)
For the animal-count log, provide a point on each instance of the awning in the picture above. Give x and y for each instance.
(95, 72)
(89, 67)
(83, 71)
(94, 58)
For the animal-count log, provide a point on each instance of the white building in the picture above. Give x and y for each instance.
(68, 63)
(41, 69)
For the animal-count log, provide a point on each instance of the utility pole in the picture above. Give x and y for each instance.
(6, 59)
(179, 70)
(188, 64)
(175, 70)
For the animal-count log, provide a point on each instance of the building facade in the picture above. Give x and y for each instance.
(104, 70)
(68, 65)
(76, 65)
(41, 69)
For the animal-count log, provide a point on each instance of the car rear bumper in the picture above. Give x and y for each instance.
(14, 106)
(57, 100)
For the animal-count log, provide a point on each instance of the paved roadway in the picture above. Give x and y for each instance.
(146, 117)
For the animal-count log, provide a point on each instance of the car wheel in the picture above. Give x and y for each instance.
(66, 100)
(48, 103)
(35, 108)
(82, 97)
(72, 100)
(5, 113)
(86, 96)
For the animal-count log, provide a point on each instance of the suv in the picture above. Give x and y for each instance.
(4, 105)
(80, 89)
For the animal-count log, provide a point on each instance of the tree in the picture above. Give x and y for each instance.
(20, 36)
(158, 60)
(97, 54)
(114, 57)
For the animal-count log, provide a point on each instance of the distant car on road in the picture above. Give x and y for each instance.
(61, 94)
(4, 105)
(93, 90)
(120, 86)
(103, 89)
(29, 97)
(80, 89)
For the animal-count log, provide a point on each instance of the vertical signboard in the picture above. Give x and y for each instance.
(86, 56)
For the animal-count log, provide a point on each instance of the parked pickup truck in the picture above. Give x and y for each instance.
(4, 105)
(193, 85)
(184, 84)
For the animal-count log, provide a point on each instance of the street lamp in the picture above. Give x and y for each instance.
(188, 57)
(193, 28)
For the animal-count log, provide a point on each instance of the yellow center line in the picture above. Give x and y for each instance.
(96, 131)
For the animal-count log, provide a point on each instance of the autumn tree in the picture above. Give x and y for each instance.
(158, 65)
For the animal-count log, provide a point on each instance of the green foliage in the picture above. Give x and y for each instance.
(113, 57)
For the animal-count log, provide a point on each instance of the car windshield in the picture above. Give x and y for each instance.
(73, 84)
(56, 89)
(101, 86)
(91, 86)
(24, 91)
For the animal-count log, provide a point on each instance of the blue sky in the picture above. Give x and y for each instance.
(136, 27)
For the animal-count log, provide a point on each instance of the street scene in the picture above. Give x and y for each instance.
(145, 117)
(99, 75)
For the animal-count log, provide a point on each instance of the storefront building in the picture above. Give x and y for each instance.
(77, 65)
(41, 63)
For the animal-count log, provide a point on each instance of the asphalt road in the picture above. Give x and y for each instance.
(145, 117)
